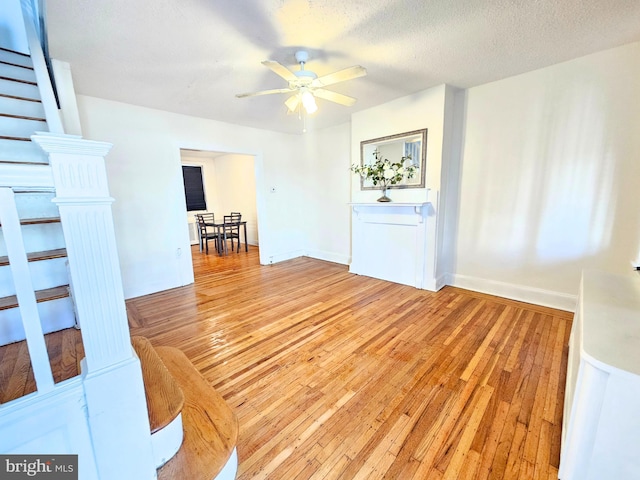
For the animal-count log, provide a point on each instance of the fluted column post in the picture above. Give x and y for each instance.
(112, 376)
(82, 196)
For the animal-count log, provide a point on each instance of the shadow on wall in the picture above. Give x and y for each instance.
(542, 192)
(576, 175)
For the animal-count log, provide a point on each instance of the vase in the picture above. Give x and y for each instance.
(384, 197)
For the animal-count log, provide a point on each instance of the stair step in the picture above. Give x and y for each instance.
(36, 204)
(164, 397)
(55, 315)
(39, 256)
(20, 127)
(18, 89)
(41, 296)
(18, 80)
(16, 139)
(17, 58)
(38, 221)
(164, 402)
(17, 73)
(44, 275)
(12, 105)
(22, 117)
(15, 97)
(21, 151)
(210, 426)
(15, 64)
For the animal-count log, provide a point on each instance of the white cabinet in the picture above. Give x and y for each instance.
(601, 425)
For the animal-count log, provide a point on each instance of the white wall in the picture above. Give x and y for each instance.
(414, 112)
(326, 160)
(235, 187)
(145, 178)
(12, 32)
(550, 178)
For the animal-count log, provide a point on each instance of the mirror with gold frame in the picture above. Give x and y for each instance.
(394, 147)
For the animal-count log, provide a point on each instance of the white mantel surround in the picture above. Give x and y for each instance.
(411, 239)
(389, 242)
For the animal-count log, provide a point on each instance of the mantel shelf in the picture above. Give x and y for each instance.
(388, 204)
(418, 207)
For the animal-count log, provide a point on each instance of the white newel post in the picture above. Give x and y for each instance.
(111, 372)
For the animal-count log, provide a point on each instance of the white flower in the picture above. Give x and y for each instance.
(401, 171)
(389, 173)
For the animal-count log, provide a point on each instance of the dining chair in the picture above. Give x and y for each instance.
(207, 231)
(197, 224)
(232, 229)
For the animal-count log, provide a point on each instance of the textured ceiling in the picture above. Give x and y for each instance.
(193, 56)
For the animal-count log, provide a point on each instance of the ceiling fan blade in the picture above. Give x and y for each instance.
(292, 103)
(264, 92)
(280, 69)
(340, 76)
(334, 97)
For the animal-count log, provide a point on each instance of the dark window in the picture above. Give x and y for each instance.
(193, 188)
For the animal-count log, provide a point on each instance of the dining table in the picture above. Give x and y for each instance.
(219, 227)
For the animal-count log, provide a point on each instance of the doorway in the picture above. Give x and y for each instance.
(229, 184)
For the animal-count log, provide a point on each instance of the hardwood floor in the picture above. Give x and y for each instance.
(16, 374)
(337, 376)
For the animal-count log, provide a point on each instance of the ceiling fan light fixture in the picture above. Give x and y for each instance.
(309, 102)
(304, 85)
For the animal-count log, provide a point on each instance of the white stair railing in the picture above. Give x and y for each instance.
(51, 112)
(12, 233)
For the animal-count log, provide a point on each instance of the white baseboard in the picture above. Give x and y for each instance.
(318, 254)
(329, 256)
(54, 315)
(440, 282)
(267, 259)
(435, 284)
(537, 296)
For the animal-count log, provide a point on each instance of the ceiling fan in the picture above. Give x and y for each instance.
(305, 85)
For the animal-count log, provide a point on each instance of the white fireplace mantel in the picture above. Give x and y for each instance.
(389, 241)
(417, 207)
(381, 209)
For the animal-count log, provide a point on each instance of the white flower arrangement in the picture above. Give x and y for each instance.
(383, 172)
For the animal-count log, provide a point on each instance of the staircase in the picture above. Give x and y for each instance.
(148, 407)
(21, 115)
(178, 396)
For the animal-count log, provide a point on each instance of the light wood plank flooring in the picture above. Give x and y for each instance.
(65, 351)
(337, 376)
